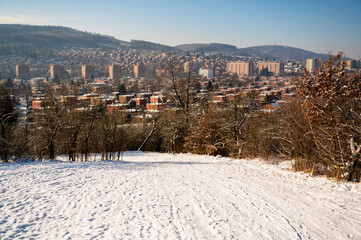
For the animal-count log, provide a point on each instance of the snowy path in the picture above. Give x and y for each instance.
(162, 196)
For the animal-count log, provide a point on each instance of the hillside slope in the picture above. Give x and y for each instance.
(164, 196)
(267, 51)
(13, 38)
(281, 52)
(52, 37)
(140, 44)
(211, 47)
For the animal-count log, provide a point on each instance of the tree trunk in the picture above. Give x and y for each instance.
(72, 147)
(146, 140)
(5, 149)
(354, 173)
(86, 148)
(51, 149)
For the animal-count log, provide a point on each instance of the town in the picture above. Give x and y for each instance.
(180, 119)
(138, 81)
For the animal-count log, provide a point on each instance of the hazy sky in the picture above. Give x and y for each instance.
(316, 25)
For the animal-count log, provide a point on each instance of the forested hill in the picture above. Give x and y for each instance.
(28, 39)
(267, 51)
(140, 44)
(281, 52)
(16, 39)
(51, 37)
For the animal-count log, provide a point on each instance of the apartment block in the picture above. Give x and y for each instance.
(273, 66)
(351, 65)
(115, 71)
(22, 71)
(312, 64)
(240, 68)
(207, 73)
(87, 71)
(139, 70)
(125, 98)
(56, 70)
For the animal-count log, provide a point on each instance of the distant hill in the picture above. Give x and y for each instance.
(281, 52)
(139, 44)
(211, 47)
(18, 39)
(52, 37)
(267, 51)
(31, 40)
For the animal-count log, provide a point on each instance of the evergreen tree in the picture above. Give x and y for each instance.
(56, 79)
(7, 119)
(122, 90)
(9, 85)
(210, 86)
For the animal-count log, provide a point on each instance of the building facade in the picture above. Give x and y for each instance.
(351, 65)
(274, 67)
(139, 70)
(115, 71)
(241, 68)
(312, 64)
(207, 73)
(22, 71)
(56, 70)
(87, 71)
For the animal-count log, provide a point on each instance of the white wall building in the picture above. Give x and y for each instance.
(312, 64)
(208, 73)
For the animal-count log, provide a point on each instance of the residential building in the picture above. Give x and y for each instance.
(240, 68)
(161, 72)
(207, 73)
(56, 70)
(274, 67)
(22, 71)
(87, 71)
(125, 98)
(312, 64)
(139, 70)
(194, 65)
(351, 65)
(115, 71)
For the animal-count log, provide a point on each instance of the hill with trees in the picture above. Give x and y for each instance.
(31, 40)
(52, 37)
(267, 51)
(140, 44)
(28, 39)
(281, 52)
(211, 47)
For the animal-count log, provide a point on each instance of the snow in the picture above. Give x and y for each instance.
(164, 196)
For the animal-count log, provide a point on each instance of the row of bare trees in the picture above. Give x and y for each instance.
(60, 129)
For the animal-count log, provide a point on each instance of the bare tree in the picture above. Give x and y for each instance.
(183, 82)
(331, 99)
(91, 119)
(49, 123)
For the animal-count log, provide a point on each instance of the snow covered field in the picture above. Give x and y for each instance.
(163, 196)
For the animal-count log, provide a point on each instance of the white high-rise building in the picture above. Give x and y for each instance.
(312, 64)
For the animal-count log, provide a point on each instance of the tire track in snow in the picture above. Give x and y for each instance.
(162, 196)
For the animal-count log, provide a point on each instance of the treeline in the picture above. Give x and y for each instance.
(51, 37)
(320, 130)
(25, 50)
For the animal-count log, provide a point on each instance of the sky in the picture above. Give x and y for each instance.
(321, 26)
